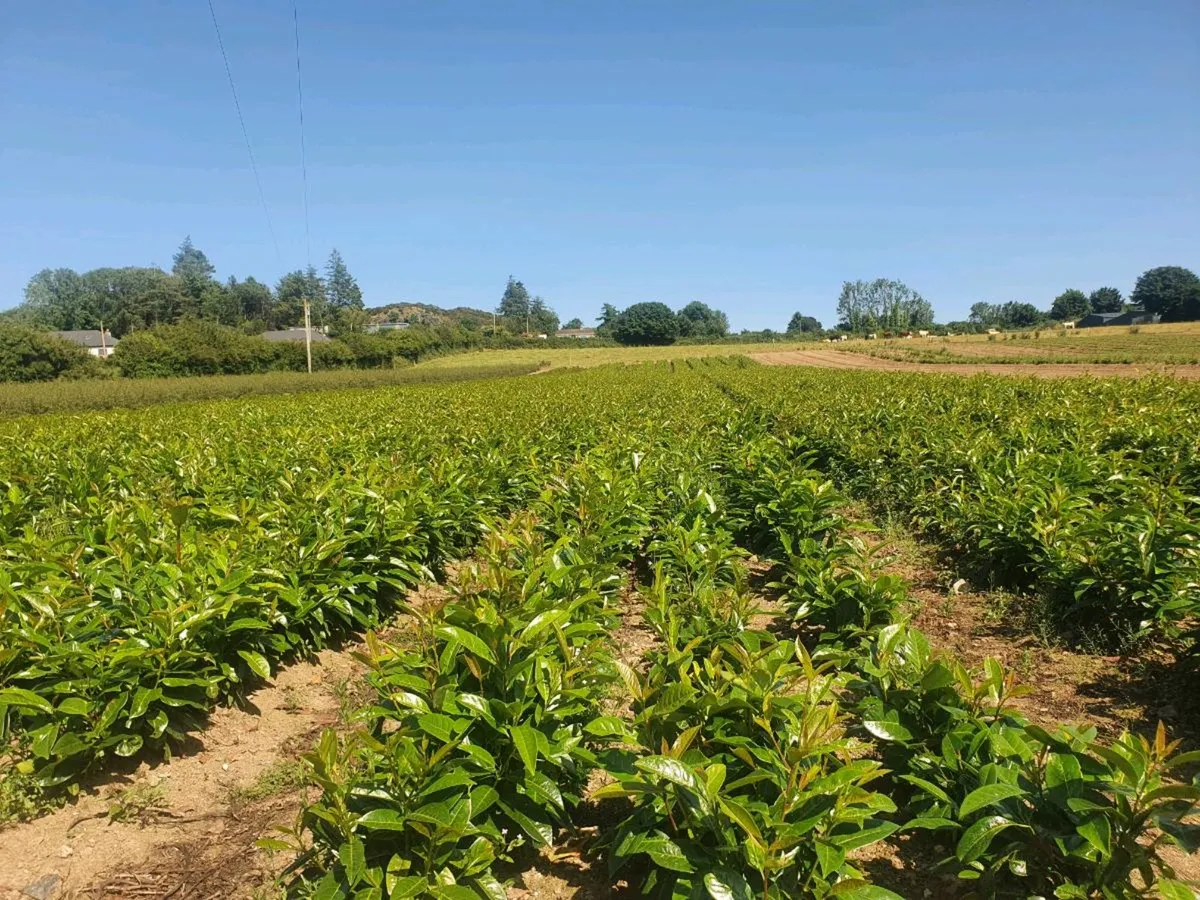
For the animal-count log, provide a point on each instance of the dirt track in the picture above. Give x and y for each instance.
(837, 359)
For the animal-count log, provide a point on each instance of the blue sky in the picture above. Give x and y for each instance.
(752, 155)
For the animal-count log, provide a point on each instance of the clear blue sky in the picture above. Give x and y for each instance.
(751, 155)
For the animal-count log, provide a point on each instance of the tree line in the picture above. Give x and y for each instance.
(1171, 292)
(134, 298)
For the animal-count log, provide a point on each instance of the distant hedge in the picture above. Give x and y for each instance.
(30, 355)
(201, 347)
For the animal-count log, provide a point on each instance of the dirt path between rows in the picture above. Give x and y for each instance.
(186, 827)
(838, 359)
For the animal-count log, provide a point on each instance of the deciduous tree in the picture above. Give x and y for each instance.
(1168, 291)
(1070, 305)
(700, 320)
(646, 323)
(1106, 299)
(800, 323)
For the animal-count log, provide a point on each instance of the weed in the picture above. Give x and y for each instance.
(281, 777)
(137, 802)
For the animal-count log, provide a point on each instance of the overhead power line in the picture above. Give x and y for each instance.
(245, 134)
(303, 159)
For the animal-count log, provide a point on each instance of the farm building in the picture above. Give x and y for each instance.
(1128, 317)
(581, 334)
(383, 327)
(293, 334)
(96, 342)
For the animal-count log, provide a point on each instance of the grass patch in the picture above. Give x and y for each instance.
(281, 777)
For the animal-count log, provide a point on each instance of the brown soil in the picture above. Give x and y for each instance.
(838, 359)
(194, 838)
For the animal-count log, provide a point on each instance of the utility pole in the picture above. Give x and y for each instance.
(103, 345)
(308, 335)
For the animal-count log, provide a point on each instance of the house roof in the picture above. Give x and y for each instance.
(87, 338)
(293, 334)
(575, 332)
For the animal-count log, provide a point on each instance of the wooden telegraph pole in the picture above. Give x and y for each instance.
(308, 335)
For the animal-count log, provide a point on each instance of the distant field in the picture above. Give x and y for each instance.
(80, 396)
(1165, 345)
(547, 358)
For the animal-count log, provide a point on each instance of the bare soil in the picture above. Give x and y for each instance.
(839, 359)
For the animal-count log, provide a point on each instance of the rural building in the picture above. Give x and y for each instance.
(293, 334)
(383, 327)
(94, 341)
(580, 334)
(1128, 317)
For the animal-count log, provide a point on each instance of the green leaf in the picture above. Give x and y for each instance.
(329, 888)
(469, 641)
(23, 699)
(668, 854)
(986, 796)
(1170, 889)
(453, 892)
(865, 836)
(931, 823)
(490, 887)
(257, 662)
(542, 790)
(354, 860)
(830, 857)
(524, 738)
(671, 770)
(141, 702)
(724, 885)
(383, 820)
(888, 731)
(659, 848)
(976, 839)
(857, 889)
(539, 832)
(74, 706)
(1097, 831)
(399, 885)
(436, 725)
(742, 816)
(607, 726)
(928, 786)
(128, 745)
(450, 817)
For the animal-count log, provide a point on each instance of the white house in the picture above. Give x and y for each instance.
(293, 334)
(96, 342)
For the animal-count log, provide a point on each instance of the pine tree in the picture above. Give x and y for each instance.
(341, 289)
(514, 306)
(192, 267)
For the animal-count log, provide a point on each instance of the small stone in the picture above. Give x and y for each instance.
(65, 850)
(42, 889)
(224, 767)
